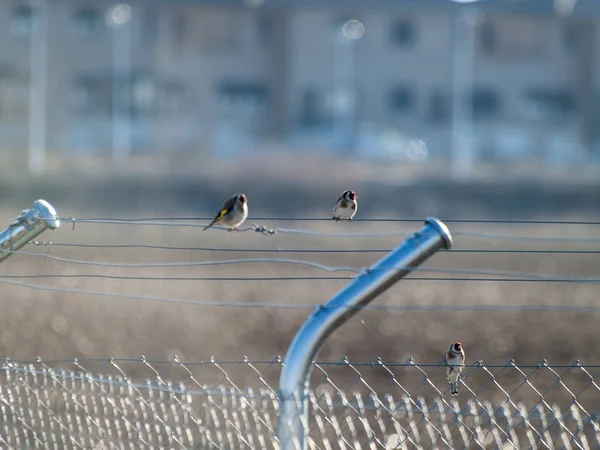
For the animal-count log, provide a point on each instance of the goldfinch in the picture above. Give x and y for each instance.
(233, 213)
(346, 206)
(455, 362)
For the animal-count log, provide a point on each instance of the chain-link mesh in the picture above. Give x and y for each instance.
(138, 403)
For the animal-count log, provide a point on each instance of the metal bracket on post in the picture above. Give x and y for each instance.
(29, 224)
(295, 376)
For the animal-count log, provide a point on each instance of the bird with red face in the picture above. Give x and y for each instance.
(233, 213)
(455, 364)
(346, 206)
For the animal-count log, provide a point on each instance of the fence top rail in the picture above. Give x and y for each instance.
(8, 363)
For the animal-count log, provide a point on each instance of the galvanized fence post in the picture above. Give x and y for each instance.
(295, 377)
(29, 224)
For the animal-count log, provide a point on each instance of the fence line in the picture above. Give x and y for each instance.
(273, 305)
(301, 250)
(140, 403)
(172, 222)
(455, 274)
(212, 404)
(315, 265)
(328, 219)
(308, 278)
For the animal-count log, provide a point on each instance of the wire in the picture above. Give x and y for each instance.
(219, 303)
(525, 238)
(329, 219)
(316, 265)
(162, 278)
(410, 363)
(308, 278)
(278, 360)
(271, 231)
(159, 299)
(460, 275)
(259, 229)
(298, 250)
(255, 228)
(187, 264)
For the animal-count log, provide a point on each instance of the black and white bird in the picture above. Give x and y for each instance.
(455, 364)
(346, 206)
(233, 213)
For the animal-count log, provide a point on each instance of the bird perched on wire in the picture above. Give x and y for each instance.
(346, 206)
(455, 362)
(233, 213)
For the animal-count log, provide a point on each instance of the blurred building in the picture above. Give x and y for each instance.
(187, 75)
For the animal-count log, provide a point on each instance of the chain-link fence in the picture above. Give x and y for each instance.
(138, 403)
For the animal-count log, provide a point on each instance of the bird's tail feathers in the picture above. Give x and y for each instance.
(217, 218)
(453, 389)
(210, 224)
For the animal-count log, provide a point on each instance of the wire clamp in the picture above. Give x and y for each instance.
(263, 230)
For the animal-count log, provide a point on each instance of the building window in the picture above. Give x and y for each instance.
(402, 33)
(86, 21)
(401, 100)
(21, 21)
(570, 36)
(512, 37)
(487, 38)
(439, 107)
(143, 95)
(265, 27)
(219, 32)
(178, 30)
(92, 95)
(311, 108)
(152, 97)
(242, 96)
(485, 103)
(149, 25)
(155, 97)
(14, 93)
(171, 97)
(549, 103)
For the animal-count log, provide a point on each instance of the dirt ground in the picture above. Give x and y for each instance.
(56, 325)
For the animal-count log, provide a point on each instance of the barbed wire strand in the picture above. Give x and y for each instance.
(525, 238)
(270, 305)
(272, 231)
(184, 263)
(256, 228)
(329, 219)
(301, 278)
(300, 250)
(499, 273)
